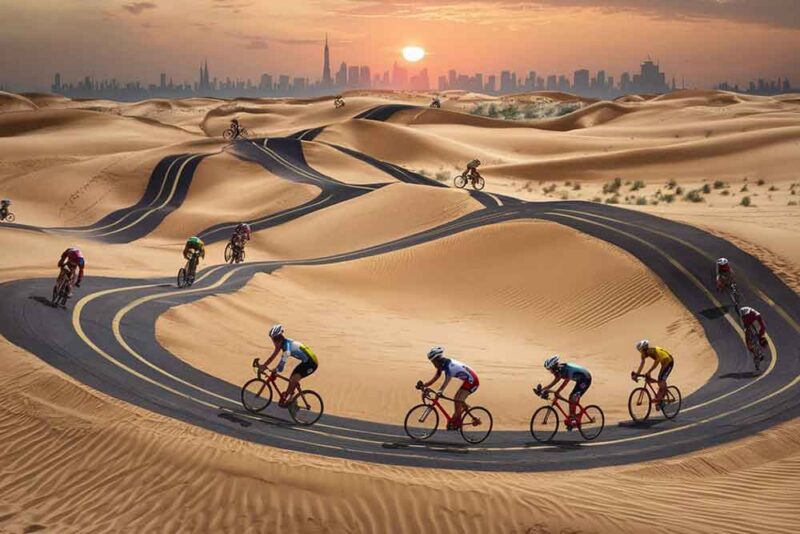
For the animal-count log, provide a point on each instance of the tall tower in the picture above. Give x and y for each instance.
(326, 67)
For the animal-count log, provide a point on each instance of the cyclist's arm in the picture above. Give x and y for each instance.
(641, 365)
(434, 379)
(563, 385)
(762, 326)
(655, 364)
(80, 274)
(551, 384)
(446, 381)
(272, 356)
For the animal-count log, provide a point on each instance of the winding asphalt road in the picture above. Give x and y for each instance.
(107, 340)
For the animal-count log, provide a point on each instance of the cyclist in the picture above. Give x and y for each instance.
(660, 357)
(4, 204)
(241, 235)
(435, 102)
(567, 372)
(749, 319)
(308, 360)
(194, 245)
(338, 102)
(235, 128)
(452, 368)
(472, 170)
(73, 259)
(724, 274)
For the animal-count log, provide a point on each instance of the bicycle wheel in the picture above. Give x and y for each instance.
(182, 280)
(243, 133)
(228, 134)
(421, 422)
(544, 424)
(735, 297)
(306, 407)
(240, 259)
(10, 217)
(228, 255)
(256, 395)
(460, 181)
(671, 404)
(479, 183)
(591, 422)
(639, 405)
(476, 425)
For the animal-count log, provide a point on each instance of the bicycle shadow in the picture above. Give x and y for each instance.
(653, 422)
(556, 445)
(434, 446)
(235, 416)
(741, 375)
(717, 312)
(41, 300)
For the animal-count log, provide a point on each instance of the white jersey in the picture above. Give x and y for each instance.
(454, 368)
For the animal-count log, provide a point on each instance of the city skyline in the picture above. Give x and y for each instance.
(132, 40)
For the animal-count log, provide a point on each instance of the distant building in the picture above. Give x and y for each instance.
(341, 76)
(580, 80)
(326, 65)
(353, 77)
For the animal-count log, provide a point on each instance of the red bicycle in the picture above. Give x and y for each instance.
(545, 420)
(305, 407)
(423, 419)
(640, 403)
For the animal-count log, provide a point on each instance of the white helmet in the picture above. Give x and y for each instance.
(276, 331)
(722, 261)
(746, 310)
(435, 354)
(642, 345)
(551, 362)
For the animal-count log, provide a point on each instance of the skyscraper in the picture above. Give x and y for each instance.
(326, 66)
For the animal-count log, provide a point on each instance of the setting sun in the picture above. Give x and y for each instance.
(413, 53)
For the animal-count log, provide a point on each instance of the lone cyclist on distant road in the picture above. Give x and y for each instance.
(472, 170)
(452, 368)
(308, 361)
(660, 357)
(73, 259)
(241, 235)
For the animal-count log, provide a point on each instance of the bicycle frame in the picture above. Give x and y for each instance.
(434, 402)
(271, 379)
(649, 385)
(565, 415)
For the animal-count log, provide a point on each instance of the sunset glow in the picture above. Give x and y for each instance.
(413, 54)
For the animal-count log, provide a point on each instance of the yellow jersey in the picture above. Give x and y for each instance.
(660, 355)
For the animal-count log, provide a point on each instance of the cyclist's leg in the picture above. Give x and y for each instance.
(663, 374)
(302, 370)
(581, 385)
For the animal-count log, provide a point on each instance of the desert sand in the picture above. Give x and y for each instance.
(501, 298)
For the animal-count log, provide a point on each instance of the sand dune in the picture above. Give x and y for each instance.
(500, 306)
(499, 297)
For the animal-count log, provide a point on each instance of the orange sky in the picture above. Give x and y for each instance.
(704, 40)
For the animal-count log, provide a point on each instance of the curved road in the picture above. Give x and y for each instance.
(107, 340)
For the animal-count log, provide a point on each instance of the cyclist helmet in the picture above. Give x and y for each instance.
(722, 261)
(746, 310)
(642, 345)
(275, 331)
(551, 362)
(435, 354)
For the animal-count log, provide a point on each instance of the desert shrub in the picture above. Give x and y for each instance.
(725, 193)
(792, 203)
(669, 198)
(638, 184)
(442, 176)
(424, 173)
(761, 181)
(564, 195)
(745, 201)
(773, 188)
(719, 184)
(641, 201)
(678, 190)
(576, 187)
(597, 199)
(613, 200)
(706, 189)
(549, 189)
(672, 184)
(613, 186)
(744, 189)
(695, 195)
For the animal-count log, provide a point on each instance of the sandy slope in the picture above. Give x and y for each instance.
(501, 298)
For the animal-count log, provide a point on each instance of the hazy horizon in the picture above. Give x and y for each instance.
(703, 41)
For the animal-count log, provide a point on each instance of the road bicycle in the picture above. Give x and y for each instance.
(338, 102)
(733, 290)
(641, 400)
(186, 274)
(436, 103)
(231, 134)
(62, 288)
(234, 253)
(422, 420)
(461, 180)
(753, 342)
(305, 407)
(545, 420)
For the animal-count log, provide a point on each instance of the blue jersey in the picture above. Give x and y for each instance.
(573, 372)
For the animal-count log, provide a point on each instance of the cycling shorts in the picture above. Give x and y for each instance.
(582, 383)
(473, 387)
(305, 368)
(666, 369)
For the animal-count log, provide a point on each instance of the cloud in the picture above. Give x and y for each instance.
(776, 13)
(257, 44)
(137, 7)
(231, 5)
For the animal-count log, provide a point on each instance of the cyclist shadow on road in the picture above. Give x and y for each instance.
(650, 423)
(556, 445)
(741, 375)
(717, 312)
(235, 417)
(41, 300)
(435, 446)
